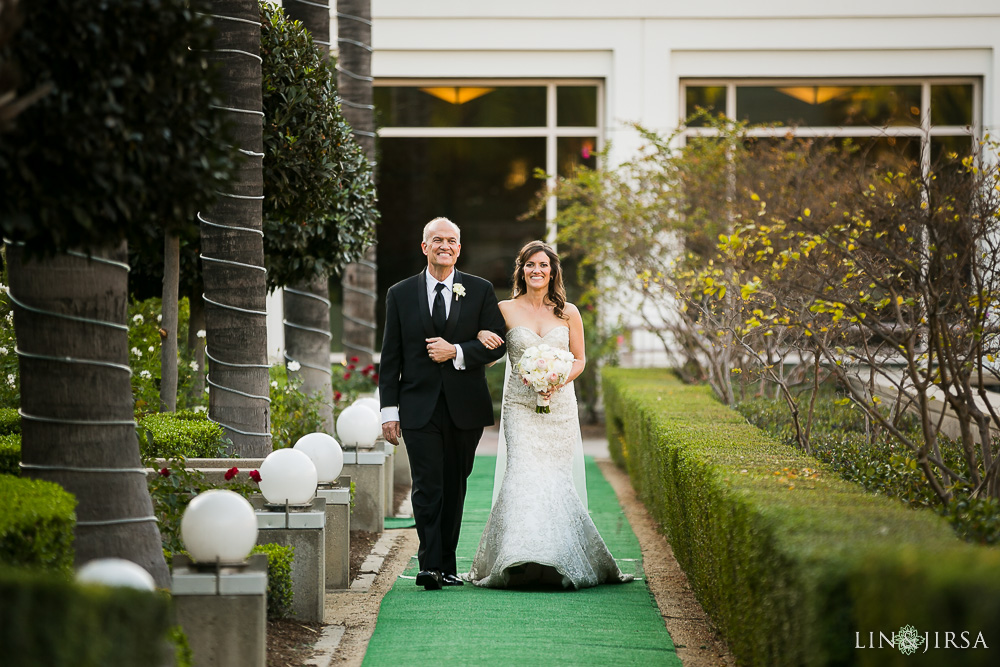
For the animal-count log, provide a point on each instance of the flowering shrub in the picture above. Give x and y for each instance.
(350, 382)
(10, 421)
(293, 414)
(144, 356)
(10, 386)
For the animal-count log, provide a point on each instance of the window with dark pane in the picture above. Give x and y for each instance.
(951, 105)
(950, 148)
(573, 152)
(710, 98)
(829, 105)
(461, 106)
(484, 185)
(576, 106)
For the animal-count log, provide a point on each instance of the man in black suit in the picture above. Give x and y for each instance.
(432, 386)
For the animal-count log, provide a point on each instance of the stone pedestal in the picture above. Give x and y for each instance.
(390, 473)
(338, 535)
(306, 531)
(401, 465)
(223, 613)
(366, 468)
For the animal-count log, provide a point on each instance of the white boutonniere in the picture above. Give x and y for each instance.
(459, 290)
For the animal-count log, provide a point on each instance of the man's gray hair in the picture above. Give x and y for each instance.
(427, 229)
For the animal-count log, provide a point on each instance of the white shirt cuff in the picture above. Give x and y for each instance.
(390, 414)
(459, 360)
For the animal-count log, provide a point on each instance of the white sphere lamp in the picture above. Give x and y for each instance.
(116, 572)
(358, 426)
(288, 476)
(370, 403)
(373, 405)
(219, 526)
(326, 455)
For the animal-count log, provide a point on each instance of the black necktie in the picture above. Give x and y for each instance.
(437, 312)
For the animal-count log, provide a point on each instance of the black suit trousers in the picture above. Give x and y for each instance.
(441, 459)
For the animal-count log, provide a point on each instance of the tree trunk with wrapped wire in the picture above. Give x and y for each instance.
(232, 246)
(359, 281)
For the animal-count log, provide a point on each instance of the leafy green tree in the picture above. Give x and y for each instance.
(124, 144)
(319, 207)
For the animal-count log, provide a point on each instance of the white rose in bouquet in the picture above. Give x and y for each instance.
(542, 367)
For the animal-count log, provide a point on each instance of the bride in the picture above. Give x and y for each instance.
(539, 531)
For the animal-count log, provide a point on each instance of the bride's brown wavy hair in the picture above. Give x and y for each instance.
(557, 291)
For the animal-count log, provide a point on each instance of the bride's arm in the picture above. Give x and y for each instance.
(577, 346)
(489, 339)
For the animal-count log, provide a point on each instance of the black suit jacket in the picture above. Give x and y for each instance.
(407, 376)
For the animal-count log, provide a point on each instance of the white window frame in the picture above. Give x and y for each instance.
(551, 132)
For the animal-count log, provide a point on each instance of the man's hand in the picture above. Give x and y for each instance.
(440, 350)
(390, 431)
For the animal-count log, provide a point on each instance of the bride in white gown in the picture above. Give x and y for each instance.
(539, 531)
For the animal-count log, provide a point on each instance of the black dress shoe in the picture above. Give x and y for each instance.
(431, 580)
(452, 580)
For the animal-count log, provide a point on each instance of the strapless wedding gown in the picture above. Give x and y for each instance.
(539, 531)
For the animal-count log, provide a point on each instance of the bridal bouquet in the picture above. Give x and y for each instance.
(542, 367)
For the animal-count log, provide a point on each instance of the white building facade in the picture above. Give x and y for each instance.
(472, 97)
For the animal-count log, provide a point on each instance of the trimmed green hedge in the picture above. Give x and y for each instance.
(47, 619)
(789, 560)
(36, 524)
(10, 421)
(173, 435)
(279, 578)
(10, 454)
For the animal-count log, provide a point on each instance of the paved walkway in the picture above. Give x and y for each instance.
(606, 625)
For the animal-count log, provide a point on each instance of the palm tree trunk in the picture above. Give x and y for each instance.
(168, 324)
(354, 81)
(307, 305)
(78, 428)
(233, 249)
(307, 341)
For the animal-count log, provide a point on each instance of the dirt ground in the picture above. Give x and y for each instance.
(290, 642)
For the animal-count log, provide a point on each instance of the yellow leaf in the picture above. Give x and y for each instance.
(807, 213)
(753, 196)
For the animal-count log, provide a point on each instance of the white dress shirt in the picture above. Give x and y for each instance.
(391, 413)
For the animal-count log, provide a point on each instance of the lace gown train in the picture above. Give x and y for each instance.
(539, 532)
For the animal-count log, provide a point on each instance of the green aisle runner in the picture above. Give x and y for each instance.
(468, 625)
